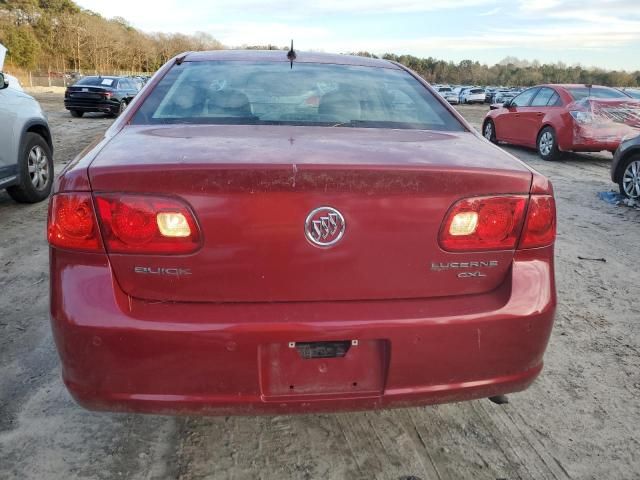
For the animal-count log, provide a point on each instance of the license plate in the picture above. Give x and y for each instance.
(308, 350)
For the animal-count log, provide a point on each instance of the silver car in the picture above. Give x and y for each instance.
(26, 148)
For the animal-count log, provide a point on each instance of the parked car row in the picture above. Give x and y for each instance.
(465, 94)
(461, 94)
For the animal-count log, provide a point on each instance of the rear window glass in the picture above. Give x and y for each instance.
(96, 81)
(579, 93)
(271, 93)
(633, 93)
(477, 90)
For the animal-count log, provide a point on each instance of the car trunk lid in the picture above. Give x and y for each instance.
(253, 187)
(87, 92)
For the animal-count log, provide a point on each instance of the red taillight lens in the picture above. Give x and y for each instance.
(540, 226)
(72, 223)
(147, 224)
(483, 223)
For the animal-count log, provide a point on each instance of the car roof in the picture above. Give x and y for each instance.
(281, 56)
(101, 76)
(571, 85)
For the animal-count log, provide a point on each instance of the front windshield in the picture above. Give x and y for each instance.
(271, 93)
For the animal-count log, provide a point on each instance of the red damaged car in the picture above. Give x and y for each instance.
(258, 234)
(560, 118)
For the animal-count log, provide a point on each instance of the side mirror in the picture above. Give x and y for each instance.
(507, 104)
(4, 83)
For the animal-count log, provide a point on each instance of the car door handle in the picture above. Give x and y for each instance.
(540, 114)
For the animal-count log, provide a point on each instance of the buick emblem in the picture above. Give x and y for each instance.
(324, 226)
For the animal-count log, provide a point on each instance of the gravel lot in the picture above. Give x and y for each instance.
(580, 420)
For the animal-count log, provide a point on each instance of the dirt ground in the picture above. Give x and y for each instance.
(580, 420)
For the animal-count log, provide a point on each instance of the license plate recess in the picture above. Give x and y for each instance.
(341, 367)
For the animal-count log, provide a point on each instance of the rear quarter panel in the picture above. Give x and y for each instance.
(560, 120)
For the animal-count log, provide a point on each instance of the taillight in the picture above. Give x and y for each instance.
(582, 117)
(483, 223)
(540, 226)
(72, 223)
(496, 223)
(147, 224)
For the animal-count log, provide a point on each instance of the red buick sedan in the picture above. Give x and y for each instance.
(258, 234)
(561, 118)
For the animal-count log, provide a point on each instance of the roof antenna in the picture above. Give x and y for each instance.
(291, 54)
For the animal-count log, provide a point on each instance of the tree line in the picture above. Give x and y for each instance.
(512, 72)
(59, 36)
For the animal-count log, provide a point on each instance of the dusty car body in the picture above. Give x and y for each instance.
(561, 118)
(254, 261)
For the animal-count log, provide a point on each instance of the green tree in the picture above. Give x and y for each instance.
(22, 46)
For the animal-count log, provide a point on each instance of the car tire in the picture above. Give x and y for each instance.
(547, 145)
(489, 131)
(629, 178)
(76, 113)
(120, 108)
(35, 170)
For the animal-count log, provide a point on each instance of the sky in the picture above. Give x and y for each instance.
(592, 33)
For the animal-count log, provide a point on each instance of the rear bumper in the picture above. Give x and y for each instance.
(104, 106)
(598, 138)
(123, 354)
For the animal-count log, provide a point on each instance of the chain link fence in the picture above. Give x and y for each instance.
(54, 79)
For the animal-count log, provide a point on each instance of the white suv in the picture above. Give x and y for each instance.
(473, 95)
(26, 148)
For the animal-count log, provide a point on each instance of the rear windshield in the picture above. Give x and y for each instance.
(97, 81)
(633, 93)
(272, 93)
(579, 93)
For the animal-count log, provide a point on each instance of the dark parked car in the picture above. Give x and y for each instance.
(625, 168)
(258, 237)
(109, 95)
